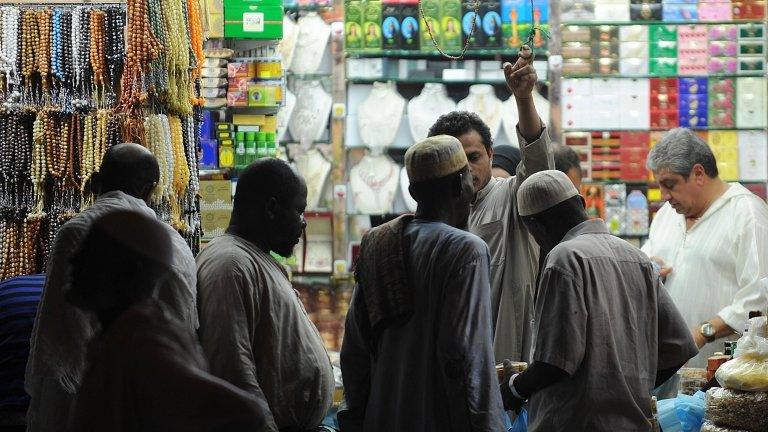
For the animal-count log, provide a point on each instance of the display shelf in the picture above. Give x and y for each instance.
(590, 130)
(743, 75)
(315, 76)
(426, 80)
(308, 8)
(648, 23)
(470, 54)
(267, 110)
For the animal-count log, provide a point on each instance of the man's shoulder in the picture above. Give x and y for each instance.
(451, 240)
(224, 254)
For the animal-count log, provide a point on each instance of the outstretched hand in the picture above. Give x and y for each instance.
(521, 77)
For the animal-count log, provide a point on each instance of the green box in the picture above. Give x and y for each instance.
(432, 17)
(663, 49)
(450, 25)
(666, 67)
(657, 32)
(372, 24)
(353, 25)
(253, 19)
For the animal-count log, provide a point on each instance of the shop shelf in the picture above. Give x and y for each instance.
(628, 23)
(470, 54)
(429, 80)
(753, 75)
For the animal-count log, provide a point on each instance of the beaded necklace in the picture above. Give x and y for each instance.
(28, 46)
(96, 52)
(142, 48)
(10, 42)
(43, 52)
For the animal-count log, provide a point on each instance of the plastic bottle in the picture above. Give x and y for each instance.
(637, 213)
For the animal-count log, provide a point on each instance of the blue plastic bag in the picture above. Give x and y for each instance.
(521, 422)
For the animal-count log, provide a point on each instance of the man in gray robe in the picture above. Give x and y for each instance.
(494, 217)
(126, 179)
(606, 331)
(253, 327)
(146, 370)
(417, 352)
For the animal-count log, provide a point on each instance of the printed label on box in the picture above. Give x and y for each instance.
(253, 22)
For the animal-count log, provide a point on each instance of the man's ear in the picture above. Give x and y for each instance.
(490, 152)
(270, 209)
(457, 186)
(412, 191)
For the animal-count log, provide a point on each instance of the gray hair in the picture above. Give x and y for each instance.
(679, 150)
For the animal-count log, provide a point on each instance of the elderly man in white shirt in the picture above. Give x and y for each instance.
(710, 239)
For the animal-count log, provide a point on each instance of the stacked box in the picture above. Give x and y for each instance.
(633, 50)
(353, 25)
(662, 50)
(692, 50)
(605, 50)
(372, 25)
(680, 10)
(715, 10)
(751, 102)
(722, 103)
(253, 19)
(725, 146)
(723, 49)
(646, 10)
(664, 103)
(693, 103)
(752, 48)
(634, 154)
(612, 10)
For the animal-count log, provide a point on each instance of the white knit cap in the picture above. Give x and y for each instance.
(433, 158)
(544, 190)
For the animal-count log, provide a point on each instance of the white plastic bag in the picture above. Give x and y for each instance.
(749, 369)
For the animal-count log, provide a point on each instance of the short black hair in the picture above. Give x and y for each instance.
(565, 158)
(458, 123)
(129, 168)
(264, 179)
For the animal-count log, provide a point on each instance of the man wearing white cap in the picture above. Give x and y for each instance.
(417, 352)
(494, 217)
(605, 333)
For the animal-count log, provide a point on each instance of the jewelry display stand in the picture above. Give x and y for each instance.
(510, 117)
(285, 114)
(287, 45)
(482, 101)
(310, 44)
(374, 181)
(426, 108)
(379, 117)
(410, 203)
(315, 169)
(310, 117)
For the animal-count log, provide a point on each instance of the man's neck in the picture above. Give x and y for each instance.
(713, 190)
(236, 231)
(439, 214)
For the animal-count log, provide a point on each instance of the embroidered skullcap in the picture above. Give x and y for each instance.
(433, 158)
(544, 190)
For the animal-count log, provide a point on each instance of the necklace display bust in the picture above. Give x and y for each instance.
(310, 44)
(510, 117)
(315, 169)
(482, 101)
(284, 115)
(424, 109)
(287, 45)
(410, 203)
(379, 117)
(373, 183)
(310, 117)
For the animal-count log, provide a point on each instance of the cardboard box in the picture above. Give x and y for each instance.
(241, 70)
(353, 25)
(390, 25)
(237, 99)
(210, 154)
(432, 17)
(450, 25)
(409, 25)
(475, 39)
(372, 25)
(490, 11)
(253, 19)
(753, 156)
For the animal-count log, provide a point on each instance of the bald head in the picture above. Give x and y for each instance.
(128, 168)
(120, 262)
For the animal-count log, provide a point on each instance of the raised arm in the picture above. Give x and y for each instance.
(532, 136)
